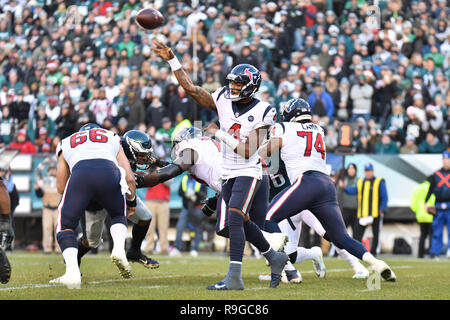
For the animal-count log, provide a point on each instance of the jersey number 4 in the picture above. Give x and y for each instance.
(95, 135)
(319, 145)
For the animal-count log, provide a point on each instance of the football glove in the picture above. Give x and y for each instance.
(139, 177)
(209, 205)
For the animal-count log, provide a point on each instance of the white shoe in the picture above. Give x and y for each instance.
(72, 280)
(121, 261)
(268, 277)
(194, 253)
(277, 240)
(384, 270)
(175, 253)
(360, 273)
(318, 264)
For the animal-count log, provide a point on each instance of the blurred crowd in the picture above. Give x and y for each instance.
(385, 69)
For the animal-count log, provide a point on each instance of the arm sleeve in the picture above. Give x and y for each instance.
(432, 182)
(383, 195)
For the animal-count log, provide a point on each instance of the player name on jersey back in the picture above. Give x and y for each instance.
(96, 143)
(303, 147)
(240, 122)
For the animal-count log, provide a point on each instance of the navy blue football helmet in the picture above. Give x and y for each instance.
(187, 133)
(296, 110)
(138, 149)
(89, 126)
(246, 74)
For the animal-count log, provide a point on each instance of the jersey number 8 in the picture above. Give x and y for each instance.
(95, 135)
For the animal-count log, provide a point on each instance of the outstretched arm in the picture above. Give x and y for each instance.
(199, 94)
(181, 164)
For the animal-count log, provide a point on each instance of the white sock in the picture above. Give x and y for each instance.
(303, 254)
(369, 258)
(293, 235)
(118, 234)
(289, 266)
(314, 223)
(344, 254)
(70, 258)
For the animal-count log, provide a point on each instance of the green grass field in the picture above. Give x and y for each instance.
(182, 278)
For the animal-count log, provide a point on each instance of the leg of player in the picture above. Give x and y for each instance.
(141, 219)
(315, 253)
(5, 225)
(238, 194)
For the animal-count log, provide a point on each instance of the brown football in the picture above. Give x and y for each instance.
(149, 18)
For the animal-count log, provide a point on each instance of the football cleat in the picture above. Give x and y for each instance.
(267, 277)
(293, 276)
(318, 264)
(120, 260)
(384, 270)
(70, 279)
(360, 272)
(139, 257)
(222, 286)
(5, 267)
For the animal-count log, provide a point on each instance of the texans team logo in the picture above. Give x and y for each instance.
(247, 72)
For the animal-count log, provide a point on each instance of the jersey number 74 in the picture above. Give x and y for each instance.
(318, 145)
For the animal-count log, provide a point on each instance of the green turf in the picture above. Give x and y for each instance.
(185, 277)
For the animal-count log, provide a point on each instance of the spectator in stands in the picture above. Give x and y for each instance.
(45, 188)
(21, 143)
(8, 125)
(410, 146)
(431, 144)
(361, 95)
(321, 102)
(133, 110)
(386, 145)
(364, 145)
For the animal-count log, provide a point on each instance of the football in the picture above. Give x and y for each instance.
(149, 18)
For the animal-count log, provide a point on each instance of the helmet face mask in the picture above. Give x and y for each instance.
(138, 149)
(242, 82)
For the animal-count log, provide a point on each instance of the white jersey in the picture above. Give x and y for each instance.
(96, 143)
(208, 168)
(303, 147)
(239, 123)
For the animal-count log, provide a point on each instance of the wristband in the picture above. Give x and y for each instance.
(131, 203)
(227, 139)
(174, 64)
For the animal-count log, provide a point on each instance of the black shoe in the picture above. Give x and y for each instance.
(142, 259)
(5, 267)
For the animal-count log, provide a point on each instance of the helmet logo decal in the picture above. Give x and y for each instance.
(247, 72)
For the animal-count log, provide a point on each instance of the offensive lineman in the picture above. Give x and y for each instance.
(93, 165)
(292, 227)
(138, 149)
(311, 187)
